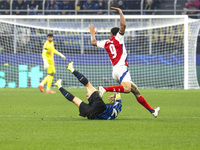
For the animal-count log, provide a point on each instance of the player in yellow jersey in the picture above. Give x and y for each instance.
(48, 59)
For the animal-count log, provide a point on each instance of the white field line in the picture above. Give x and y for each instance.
(131, 117)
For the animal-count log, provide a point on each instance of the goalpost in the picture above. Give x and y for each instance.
(161, 50)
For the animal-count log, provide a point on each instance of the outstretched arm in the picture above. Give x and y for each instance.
(60, 54)
(93, 32)
(114, 97)
(122, 20)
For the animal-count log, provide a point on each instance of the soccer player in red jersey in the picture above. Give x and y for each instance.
(116, 50)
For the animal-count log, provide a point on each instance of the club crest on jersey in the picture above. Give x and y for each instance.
(109, 42)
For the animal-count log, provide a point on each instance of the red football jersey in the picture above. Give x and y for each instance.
(116, 49)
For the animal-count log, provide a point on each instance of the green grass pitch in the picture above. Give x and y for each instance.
(31, 120)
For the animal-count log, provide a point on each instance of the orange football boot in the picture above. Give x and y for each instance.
(41, 88)
(50, 91)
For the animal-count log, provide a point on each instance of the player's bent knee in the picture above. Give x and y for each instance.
(90, 89)
(127, 90)
(77, 101)
(127, 87)
(52, 74)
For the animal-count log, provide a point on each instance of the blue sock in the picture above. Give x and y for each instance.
(66, 94)
(81, 77)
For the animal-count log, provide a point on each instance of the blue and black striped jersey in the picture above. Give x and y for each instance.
(111, 112)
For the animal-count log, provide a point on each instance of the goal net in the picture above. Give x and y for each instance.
(161, 50)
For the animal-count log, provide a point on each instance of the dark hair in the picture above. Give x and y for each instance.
(114, 31)
(50, 35)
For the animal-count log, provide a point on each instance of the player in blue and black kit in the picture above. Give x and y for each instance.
(96, 109)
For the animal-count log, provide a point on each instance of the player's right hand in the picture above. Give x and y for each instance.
(46, 65)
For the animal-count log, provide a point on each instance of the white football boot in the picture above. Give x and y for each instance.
(101, 91)
(155, 114)
(70, 66)
(58, 83)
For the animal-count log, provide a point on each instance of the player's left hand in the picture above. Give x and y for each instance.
(63, 57)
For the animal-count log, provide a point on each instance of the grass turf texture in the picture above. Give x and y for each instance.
(31, 120)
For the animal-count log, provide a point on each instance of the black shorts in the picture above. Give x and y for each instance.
(95, 107)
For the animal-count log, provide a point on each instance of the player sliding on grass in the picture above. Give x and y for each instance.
(116, 50)
(96, 109)
(48, 58)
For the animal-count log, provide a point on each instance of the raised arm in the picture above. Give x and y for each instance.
(93, 32)
(122, 20)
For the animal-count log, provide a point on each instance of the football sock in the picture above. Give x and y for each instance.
(144, 103)
(45, 80)
(117, 88)
(66, 94)
(80, 77)
(49, 82)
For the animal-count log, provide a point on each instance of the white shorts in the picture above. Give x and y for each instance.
(121, 74)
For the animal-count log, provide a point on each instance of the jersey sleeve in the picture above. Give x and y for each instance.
(44, 51)
(45, 46)
(44, 54)
(101, 44)
(120, 37)
(55, 51)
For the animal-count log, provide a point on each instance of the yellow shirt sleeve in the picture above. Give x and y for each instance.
(44, 56)
(45, 45)
(55, 51)
(49, 50)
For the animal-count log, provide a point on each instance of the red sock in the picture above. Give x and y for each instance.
(117, 88)
(144, 103)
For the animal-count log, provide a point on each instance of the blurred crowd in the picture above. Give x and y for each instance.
(100, 7)
(192, 8)
(63, 7)
(95, 7)
(66, 7)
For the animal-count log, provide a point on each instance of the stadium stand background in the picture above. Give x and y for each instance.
(96, 7)
(101, 7)
(68, 7)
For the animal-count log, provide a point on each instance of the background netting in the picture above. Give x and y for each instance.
(155, 49)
